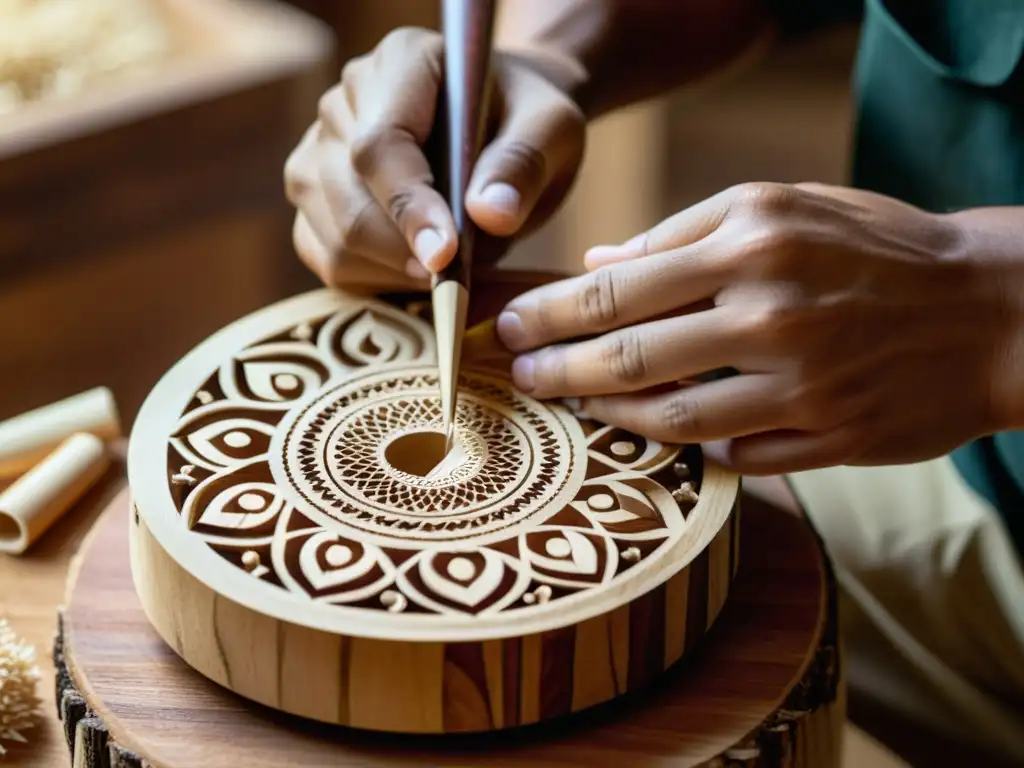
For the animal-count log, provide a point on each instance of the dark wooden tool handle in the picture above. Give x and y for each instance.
(468, 29)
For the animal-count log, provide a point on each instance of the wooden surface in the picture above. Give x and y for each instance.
(155, 705)
(148, 191)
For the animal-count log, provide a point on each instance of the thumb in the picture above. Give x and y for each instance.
(540, 142)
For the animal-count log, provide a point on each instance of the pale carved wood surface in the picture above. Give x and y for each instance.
(557, 564)
(154, 705)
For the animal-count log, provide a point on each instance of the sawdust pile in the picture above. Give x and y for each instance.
(18, 678)
(55, 48)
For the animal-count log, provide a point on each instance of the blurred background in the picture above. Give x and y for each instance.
(142, 144)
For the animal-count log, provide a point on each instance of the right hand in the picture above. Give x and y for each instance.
(368, 214)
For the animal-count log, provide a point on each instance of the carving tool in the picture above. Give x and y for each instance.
(468, 30)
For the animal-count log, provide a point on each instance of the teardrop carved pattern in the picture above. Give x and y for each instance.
(282, 468)
(223, 435)
(331, 568)
(617, 450)
(473, 581)
(273, 373)
(372, 337)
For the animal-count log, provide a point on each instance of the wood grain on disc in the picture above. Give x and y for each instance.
(763, 690)
(299, 540)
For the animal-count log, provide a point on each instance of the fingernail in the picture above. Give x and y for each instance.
(502, 197)
(600, 255)
(522, 373)
(719, 451)
(427, 244)
(634, 243)
(511, 330)
(416, 270)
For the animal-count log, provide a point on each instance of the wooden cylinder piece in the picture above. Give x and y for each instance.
(39, 497)
(27, 439)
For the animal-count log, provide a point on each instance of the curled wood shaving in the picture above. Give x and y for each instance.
(19, 675)
(55, 48)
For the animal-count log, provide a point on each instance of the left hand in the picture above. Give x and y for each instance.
(862, 330)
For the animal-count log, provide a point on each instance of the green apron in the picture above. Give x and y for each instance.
(939, 88)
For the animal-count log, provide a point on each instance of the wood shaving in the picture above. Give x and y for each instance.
(19, 675)
(51, 49)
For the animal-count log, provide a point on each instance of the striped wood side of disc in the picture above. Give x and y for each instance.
(433, 687)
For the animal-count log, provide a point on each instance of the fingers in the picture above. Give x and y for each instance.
(342, 218)
(364, 186)
(743, 204)
(311, 251)
(395, 171)
(782, 451)
(740, 421)
(315, 222)
(684, 228)
(392, 95)
(736, 406)
(363, 228)
(493, 287)
(347, 270)
(632, 359)
(300, 171)
(612, 297)
(541, 141)
(329, 238)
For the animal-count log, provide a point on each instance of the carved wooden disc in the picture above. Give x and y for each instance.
(281, 478)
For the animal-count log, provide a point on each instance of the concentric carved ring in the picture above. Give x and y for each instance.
(519, 458)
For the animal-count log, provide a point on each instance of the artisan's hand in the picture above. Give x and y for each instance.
(861, 332)
(368, 213)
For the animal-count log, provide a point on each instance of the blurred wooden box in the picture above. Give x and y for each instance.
(360, 24)
(139, 216)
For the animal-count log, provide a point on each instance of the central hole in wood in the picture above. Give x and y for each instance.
(10, 529)
(416, 453)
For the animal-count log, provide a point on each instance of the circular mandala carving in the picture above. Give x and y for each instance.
(518, 458)
(266, 463)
